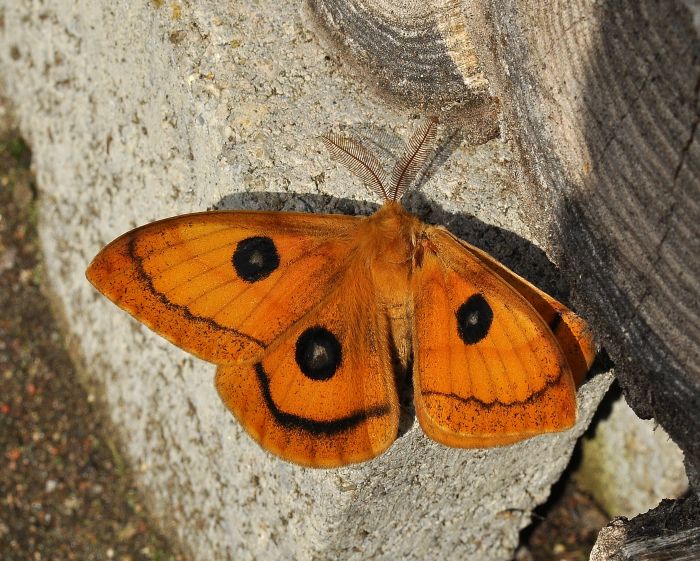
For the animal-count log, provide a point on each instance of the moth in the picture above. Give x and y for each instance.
(314, 320)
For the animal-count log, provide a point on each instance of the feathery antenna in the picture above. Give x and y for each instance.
(365, 165)
(358, 160)
(411, 162)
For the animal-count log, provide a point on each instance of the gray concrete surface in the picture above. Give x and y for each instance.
(138, 111)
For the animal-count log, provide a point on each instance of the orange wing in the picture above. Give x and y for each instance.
(572, 332)
(224, 285)
(488, 370)
(323, 394)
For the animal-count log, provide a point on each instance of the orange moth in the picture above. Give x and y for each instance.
(314, 319)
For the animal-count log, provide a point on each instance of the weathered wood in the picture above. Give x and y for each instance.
(670, 532)
(601, 101)
(418, 53)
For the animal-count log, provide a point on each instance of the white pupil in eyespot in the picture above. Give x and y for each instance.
(256, 259)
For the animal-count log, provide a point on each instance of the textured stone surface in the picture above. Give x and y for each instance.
(138, 111)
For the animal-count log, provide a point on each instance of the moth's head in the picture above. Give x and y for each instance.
(365, 165)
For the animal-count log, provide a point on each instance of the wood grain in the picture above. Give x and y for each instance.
(418, 54)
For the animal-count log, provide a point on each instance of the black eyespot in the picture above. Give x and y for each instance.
(318, 353)
(255, 258)
(474, 319)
